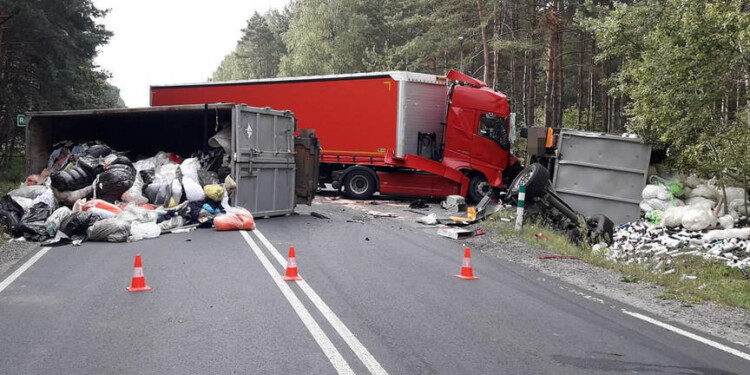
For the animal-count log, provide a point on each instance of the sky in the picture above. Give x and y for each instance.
(170, 41)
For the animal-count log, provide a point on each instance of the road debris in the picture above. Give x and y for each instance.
(556, 256)
(454, 203)
(319, 216)
(430, 219)
(419, 203)
(455, 233)
(380, 214)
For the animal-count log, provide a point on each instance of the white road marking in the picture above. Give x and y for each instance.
(693, 336)
(4, 284)
(362, 353)
(337, 360)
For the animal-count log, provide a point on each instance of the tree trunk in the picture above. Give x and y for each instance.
(531, 82)
(515, 73)
(579, 95)
(549, 87)
(559, 68)
(495, 52)
(485, 45)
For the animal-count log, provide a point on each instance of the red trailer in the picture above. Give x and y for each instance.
(397, 133)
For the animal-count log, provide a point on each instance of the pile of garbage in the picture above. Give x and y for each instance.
(682, 217)
(90, 192)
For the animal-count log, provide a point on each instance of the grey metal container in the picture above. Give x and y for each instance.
(602, 174)
(262, 144)
(263, 160)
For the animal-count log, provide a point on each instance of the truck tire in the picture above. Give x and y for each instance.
(601, 229)
(359, 184)
(479, 188)
(534, 177)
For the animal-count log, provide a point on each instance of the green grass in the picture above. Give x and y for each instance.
(714, 281)
(11, 175)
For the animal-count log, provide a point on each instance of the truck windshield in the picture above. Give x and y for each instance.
(494, 128)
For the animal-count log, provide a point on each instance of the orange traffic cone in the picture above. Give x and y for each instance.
(466, 271)
(291, 267)
(139, 281)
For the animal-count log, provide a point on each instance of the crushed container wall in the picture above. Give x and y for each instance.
(602, 174)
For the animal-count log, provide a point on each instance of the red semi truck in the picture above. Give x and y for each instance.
(398, 133)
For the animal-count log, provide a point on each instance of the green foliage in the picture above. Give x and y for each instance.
(683, 60)
(46, 62)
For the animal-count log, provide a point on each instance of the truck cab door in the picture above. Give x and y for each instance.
(490, 143)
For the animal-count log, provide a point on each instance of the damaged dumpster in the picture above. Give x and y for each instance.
(255, 148)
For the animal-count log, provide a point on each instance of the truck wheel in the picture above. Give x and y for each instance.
(534, 177)
(479, 188)
(359, 184)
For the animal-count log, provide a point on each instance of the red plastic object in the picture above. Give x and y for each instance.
(291, 267)
(467, 272)
(237, 219)
(139, 281)
(104, 205)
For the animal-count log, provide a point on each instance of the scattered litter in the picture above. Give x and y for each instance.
(688, 277)
(419, 203)
(454, 203)
(542, 236)
(374, 203)
(505, 220)
(380, 214)
(471, 215)
(455, 233)
(478, 232)
(319, 216)
(430, 219)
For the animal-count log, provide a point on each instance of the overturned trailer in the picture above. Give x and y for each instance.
(274, 165)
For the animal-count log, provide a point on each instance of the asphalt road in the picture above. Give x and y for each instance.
(376, 299)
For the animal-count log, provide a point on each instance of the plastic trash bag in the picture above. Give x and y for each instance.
(25, 203)
(174, 222)
(38, 212)
(29, 192)
(135, 193)
(48, 198)
(98, 151)
(652, 191)
(53, 221)
(76, 224)
(734, 193)
(193, 190)
(189, 169)
(222, 139)
(701, 202)
(159, 194)
(134, 213)
(697, 218)
(726, 222)
(68, 198)
(236, 218)
(115, 181)
(705, 191)
(10, 212)
(726, 234)
(71, 179)
(176, 193)
(32, 231)
(207, 177)
(99, 204)
(139, 231)
(214, 192)
(110, 230)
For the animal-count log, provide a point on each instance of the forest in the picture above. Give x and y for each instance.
(674, 72)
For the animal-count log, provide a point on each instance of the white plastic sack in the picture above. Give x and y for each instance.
(655, 191)
(189, 168)
(139, 231)
(70, 197)
(672, 217)
(193, 190)
(692, 181)
(726, 222)
(738, 206)
(697, 218)
(734, 193)
(176, 191)
(705, 191)
(30, 192)
(701, 202)
(135, 193)
(142, 165)
(110, 230)
(102, 213)
(48, 198)
(134, 213)
(174, 222)
(25, 203)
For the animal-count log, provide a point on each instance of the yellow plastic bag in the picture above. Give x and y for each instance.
(214, 192)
